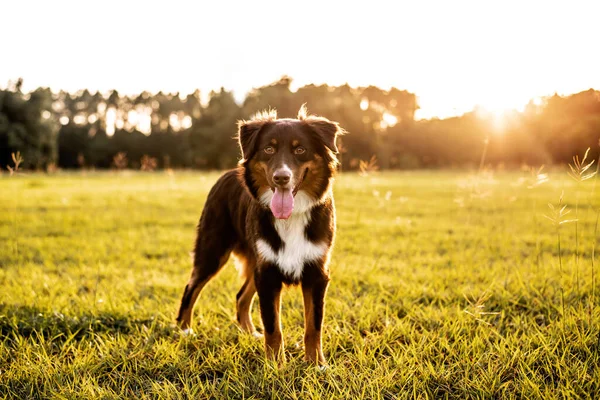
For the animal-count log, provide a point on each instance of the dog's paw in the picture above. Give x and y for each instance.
(258, 335)
(323, 368)
(188, 332)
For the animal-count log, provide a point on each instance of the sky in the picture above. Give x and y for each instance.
(454, 55)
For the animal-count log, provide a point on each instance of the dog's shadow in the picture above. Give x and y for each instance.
(56, 332)
(27, 321)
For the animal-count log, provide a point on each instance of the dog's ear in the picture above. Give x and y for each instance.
(247, 135)
(248, 132)
(326, 130)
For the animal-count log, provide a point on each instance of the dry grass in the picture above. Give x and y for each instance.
(429, 299)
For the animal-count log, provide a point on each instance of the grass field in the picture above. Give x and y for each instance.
(443, 285)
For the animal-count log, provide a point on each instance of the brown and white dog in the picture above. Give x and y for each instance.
(275, 213)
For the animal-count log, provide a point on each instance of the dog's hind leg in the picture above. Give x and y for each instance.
(244, 298)
(244, 305)
(209, 258)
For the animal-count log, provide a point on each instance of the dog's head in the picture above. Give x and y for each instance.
(288, 164)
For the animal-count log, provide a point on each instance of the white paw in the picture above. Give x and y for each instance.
(257, 335)
(188, 332)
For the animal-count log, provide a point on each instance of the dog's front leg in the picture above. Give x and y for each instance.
(268, 286)
(314, 286)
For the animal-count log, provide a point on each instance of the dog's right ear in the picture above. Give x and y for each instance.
(247, 134)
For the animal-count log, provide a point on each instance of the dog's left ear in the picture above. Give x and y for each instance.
(327, 131)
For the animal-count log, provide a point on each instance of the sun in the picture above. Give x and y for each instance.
(497, 118)
(389, 120)
(499, 111)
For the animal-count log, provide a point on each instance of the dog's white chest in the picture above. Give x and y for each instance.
(296, 250)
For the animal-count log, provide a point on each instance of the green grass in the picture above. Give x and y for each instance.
(440, 288)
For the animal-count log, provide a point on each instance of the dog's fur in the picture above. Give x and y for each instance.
(237, 220)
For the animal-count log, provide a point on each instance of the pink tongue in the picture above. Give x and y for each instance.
(282, 203)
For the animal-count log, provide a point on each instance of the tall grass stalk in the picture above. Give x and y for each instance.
(593, 299)
(595, 178)
(476, 186)
(537, 236)
(472, 190)
(577, 239)
(537, 178)
(486, 143)
(560, 276)
(595, 241)
(557, 216)
(579, 172)
(17, 160)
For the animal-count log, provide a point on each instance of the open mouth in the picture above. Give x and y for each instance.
(282, 202)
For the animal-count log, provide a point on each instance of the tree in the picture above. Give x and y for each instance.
(28, 125)
(211, 137)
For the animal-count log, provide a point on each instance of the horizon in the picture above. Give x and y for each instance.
(462, 57)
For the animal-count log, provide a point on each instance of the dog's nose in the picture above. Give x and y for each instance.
(282, 177)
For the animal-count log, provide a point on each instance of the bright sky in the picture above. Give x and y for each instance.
(452, 54)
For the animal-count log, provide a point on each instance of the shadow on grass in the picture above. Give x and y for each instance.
(121, 368)
(27, 321)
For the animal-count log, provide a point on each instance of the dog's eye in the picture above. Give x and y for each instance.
(299, 150)
(270, 150)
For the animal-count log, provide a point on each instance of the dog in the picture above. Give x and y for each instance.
(275, 213)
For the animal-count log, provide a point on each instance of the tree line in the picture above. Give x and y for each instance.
(170, 130)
